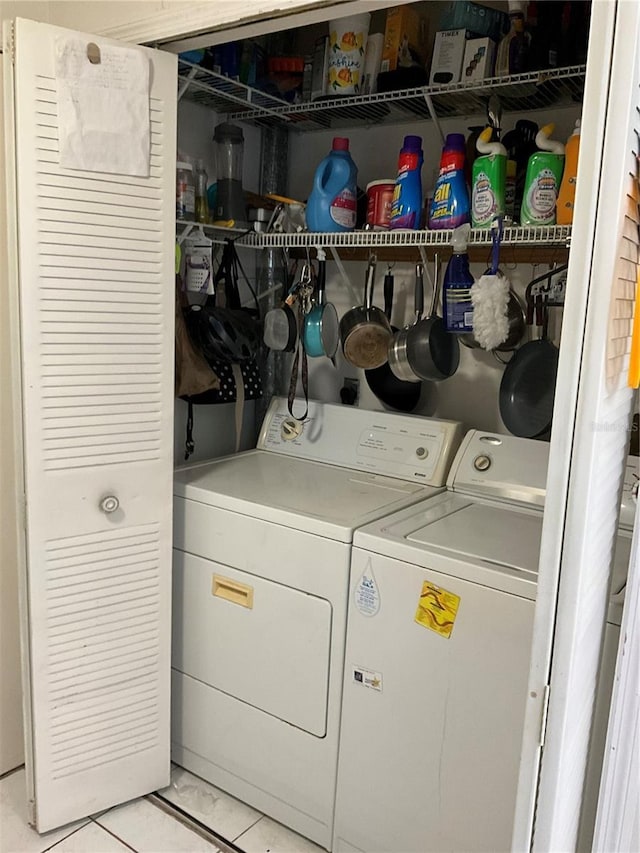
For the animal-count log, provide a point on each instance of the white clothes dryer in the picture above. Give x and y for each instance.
(436, 679)
(262, 550)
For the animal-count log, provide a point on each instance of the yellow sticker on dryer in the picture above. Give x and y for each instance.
(437, 609)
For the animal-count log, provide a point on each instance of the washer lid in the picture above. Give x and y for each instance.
(485, 542)
(312, 496)
(504, 536)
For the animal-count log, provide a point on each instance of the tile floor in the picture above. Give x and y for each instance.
(144, 826)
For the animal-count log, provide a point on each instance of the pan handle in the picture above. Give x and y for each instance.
(369, 283)
(436, 286)
(388, 294)
(322, 278)
(419, 292)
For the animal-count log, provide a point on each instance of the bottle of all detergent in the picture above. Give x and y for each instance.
(542, 183)
(332, 203)
(567, 194)
(456, 289)
(406, 207)
(489, 180)
(450, 203)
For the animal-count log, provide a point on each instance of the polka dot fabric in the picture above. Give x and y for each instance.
(227, 393)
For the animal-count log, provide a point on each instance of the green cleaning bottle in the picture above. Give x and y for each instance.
(542, 182)
(489, 176)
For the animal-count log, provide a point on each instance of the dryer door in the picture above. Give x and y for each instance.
(261, 642)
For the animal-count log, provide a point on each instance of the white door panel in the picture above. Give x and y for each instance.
(96, 323)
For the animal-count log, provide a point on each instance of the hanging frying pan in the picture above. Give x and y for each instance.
(433, 353)
(398, 359)
(320, 332)
(393, 392)
(280, 329)
(528, 385)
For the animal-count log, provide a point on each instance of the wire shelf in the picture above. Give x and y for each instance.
(546, 235)
(520, 92)
(225, 95)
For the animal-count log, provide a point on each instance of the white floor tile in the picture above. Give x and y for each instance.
(148, 829)
(214, 808)
(16, 836)
(267, 836)
(90, 839)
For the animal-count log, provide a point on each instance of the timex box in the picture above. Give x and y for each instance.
(478, 60)
(448, 53)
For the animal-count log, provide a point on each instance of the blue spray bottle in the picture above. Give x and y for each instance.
(456, 290)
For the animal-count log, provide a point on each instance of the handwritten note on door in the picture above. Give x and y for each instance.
(103, 107)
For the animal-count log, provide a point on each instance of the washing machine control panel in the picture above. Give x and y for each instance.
(502, 467)
(408, 447)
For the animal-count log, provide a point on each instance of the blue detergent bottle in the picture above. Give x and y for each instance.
(457, 307)
(450, 203)
(406, 207)
(332, 203)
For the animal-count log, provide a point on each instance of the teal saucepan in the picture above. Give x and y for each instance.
(320, 333)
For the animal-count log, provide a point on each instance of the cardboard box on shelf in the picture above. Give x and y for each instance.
(478, 60)
(404, 38)
(448, 53)
(320, 68)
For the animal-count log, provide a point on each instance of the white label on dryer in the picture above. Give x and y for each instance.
(366, 596)
(367, 678)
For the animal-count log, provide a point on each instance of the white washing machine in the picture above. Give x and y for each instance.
(262, 549)
(436, 677)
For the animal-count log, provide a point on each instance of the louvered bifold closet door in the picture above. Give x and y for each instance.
(96, 322)
(600, 449)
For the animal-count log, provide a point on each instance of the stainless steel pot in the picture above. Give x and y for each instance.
(365, 331)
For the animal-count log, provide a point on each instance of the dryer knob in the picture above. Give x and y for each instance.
(482, 463)
(422, 452)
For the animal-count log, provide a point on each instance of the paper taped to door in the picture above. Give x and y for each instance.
(103, 107)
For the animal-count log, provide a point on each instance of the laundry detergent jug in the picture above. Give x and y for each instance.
(332, 203)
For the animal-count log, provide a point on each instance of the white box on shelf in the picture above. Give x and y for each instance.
(448, 53)
(478, 60)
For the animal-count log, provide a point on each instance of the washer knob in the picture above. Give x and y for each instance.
(109, 504)
(482, 463)
(422, 452)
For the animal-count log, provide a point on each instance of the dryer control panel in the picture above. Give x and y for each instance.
(409, 447)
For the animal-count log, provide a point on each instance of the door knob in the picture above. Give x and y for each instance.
(109, 504)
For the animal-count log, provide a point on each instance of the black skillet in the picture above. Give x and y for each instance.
(432, 352)
(528, 385)
(393, 392)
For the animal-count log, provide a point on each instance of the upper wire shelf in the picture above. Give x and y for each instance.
(518, 92)
(223, 94)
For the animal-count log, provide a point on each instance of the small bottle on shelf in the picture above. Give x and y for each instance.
(201, 203)
(512, 56)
